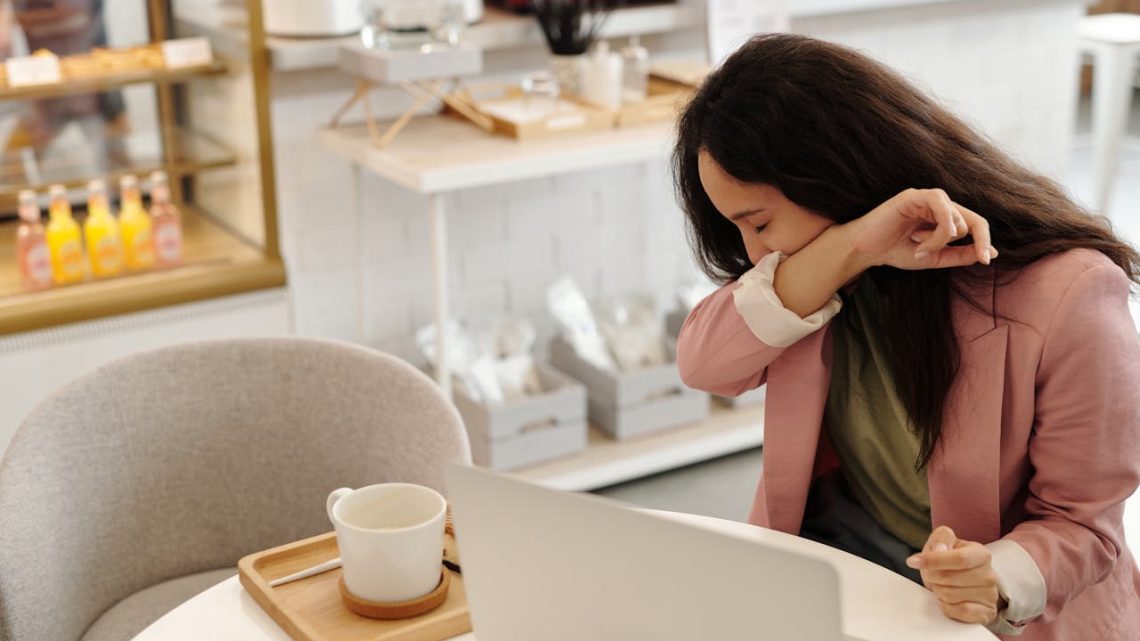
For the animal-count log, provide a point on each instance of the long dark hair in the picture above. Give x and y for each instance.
(839, 134)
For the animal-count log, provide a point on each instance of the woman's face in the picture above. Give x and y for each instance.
(767, 220)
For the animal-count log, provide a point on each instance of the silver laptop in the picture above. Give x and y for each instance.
(544, 565)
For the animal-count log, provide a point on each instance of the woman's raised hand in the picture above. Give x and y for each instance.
(914, 230)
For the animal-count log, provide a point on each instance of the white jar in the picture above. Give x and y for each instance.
(603, 81)
(312, 18)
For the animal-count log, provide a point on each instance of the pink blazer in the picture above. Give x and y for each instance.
(1041, 437)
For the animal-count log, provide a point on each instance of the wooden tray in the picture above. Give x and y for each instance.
(312, 610)
(663, 103)
(573, 117)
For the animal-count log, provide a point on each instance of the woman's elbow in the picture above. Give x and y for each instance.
(689, 364)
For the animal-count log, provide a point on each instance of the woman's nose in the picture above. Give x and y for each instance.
(756, 252)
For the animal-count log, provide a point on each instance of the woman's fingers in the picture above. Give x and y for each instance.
(980, 230)
(968, 612)
(961, 229)
(959, 578)
(934, 206)
(967, 557)
(952, 256)
(921, 236)
(941, 539)
(929, 242)
(983, 595)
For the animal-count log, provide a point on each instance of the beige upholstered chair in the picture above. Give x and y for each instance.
(143, 483)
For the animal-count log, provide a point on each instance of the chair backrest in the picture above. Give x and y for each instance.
(185, 459)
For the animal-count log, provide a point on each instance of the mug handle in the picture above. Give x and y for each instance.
(335, 496)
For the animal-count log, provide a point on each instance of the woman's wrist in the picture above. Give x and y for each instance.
(854, 262)
(811, 276)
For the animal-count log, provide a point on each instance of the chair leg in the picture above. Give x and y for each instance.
(1113, 70)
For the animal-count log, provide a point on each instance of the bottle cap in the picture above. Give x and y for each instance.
(128, 182)
(57, 192)
(634, 49)
(159, 188)
(29, 206)
(97, 186)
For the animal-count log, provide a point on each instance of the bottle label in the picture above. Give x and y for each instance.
(37, 264)
(141, 247)
(168, 242)
(71, 260)
(108, 254)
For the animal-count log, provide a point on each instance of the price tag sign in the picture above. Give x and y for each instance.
(187, 52)
(33, 70)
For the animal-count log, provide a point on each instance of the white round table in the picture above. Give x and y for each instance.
(878, 605)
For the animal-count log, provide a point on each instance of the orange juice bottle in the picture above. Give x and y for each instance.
(31, 245)
(135, 225)
(167, 222)
(102, 233)
(63, 240)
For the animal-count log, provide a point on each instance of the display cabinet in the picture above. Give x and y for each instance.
(102, 89)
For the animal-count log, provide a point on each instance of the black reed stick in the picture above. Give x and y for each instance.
(570, 26)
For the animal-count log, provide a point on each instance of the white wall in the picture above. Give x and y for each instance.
(1008, 65)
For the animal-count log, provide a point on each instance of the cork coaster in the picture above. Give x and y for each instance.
(400, 609)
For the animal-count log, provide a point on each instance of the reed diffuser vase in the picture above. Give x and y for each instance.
(570, 28)
(569, 72)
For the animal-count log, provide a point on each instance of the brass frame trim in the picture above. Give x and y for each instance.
(95, 300)
(259, 65)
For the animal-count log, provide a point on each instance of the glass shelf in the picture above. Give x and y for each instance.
(110, 81)
(215, 262)
(135, 153)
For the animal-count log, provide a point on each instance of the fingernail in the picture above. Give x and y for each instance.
(922, 254)
(993, 252)
(986, 257)
(916, 239)
(914, 561)
(940, 547)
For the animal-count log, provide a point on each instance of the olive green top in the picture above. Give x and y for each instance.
(869, 427)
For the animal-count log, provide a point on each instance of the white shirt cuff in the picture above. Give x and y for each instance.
(757, 303)
(1020, 582)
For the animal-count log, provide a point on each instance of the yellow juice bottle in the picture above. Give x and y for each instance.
(63, 239)
(135, 225)
(101, 231)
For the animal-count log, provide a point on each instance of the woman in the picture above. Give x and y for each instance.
(952, 370)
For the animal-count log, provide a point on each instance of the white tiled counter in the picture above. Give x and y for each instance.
(36, 363)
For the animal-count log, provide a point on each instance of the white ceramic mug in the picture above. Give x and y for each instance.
(390, 538)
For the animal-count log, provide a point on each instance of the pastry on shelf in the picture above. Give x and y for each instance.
(101, 62)
(151, 56)
(116, 60)
(81, 67)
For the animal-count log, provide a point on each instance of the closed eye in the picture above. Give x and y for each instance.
(760, 228)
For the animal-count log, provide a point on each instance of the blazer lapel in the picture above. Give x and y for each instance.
(964, 470)
(797, 392)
